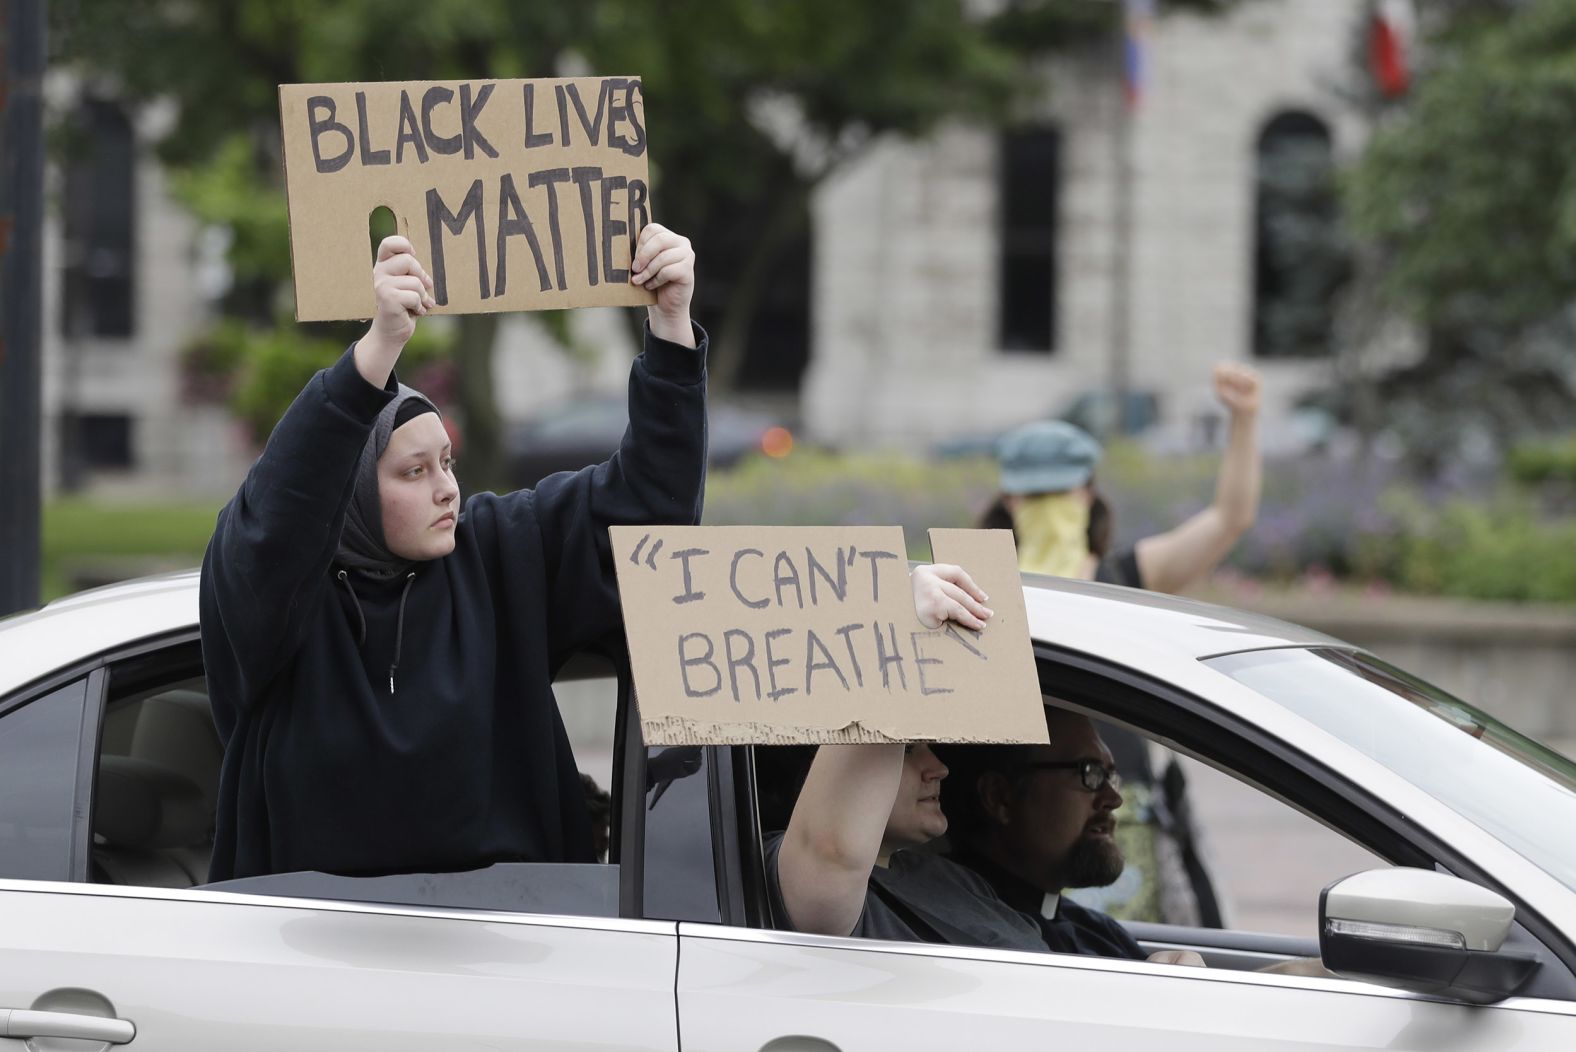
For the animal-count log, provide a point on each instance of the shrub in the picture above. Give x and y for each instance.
(813, 488)
(1552, 461)
(1356, 521)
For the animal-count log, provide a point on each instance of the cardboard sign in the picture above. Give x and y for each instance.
(517, 194)
(770, 635)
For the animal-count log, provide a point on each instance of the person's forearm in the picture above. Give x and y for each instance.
(673, 328)
(1237, 489)
(842, 811)
(834, 836)
(375, 359)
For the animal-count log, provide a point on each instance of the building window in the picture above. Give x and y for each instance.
(1301, 259)
(99, 211)
(104, 441)
(1030, 183)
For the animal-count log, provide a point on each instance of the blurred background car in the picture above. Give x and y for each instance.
(1095, 410)
(586, 430)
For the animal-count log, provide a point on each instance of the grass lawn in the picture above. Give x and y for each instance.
(90, 542)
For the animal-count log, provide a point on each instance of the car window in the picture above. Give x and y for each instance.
(1206, 849)
(157, 781)
(156, 787)
(40, 742)
(1508, 784)
(1198, 848)
(679, 875)
(589, 708)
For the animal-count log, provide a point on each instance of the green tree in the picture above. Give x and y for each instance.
(1467, 195)
(752, 103)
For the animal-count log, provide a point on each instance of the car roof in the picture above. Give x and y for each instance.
(1127, 626)
(70, 630)
(1148, 630)
(83, 626)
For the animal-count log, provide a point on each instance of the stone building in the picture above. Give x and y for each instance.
(971, 282)
(124, 275)
(958, 285)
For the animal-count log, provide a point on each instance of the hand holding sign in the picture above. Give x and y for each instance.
(664, 263)
(401, 292)
(947, 593)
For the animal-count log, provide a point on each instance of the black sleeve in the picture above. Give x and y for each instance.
(1120, 567)
(1089, 933)
(657, 476)
(267, 563)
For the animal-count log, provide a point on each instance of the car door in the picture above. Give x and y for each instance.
(775, 990)
(183, 969)
(770, 989)
(200, 971)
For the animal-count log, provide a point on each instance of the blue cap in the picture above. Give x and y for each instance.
(1047, 456)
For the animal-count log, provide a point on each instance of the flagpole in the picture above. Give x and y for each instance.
(1129, 64)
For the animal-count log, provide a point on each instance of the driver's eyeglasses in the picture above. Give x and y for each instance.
(1092, 773)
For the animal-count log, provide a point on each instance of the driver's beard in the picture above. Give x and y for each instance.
(1094, 863)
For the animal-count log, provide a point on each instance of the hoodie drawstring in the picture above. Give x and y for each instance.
(361, 620)
(399, 622)
(399, 627)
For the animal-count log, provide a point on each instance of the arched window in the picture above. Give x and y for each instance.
(1030, 180)
(1301, 260)
(99, 212)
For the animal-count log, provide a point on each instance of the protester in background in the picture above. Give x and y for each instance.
(379, 654)
(1064, 526)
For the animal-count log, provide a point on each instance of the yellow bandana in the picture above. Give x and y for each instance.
(1053, 534)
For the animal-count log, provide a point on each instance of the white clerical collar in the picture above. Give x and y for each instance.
(1049, 907)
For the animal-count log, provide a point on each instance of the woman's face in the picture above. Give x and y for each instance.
(916, 816)
(417, 491)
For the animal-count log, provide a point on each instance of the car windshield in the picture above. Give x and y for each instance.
(1520, 791)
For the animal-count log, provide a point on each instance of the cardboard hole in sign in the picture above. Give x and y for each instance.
(515, 194)
(380, 224)
(784, 634)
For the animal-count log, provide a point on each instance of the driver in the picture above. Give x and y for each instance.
(1035, 820)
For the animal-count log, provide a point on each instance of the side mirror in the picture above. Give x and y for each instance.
(1422, 931)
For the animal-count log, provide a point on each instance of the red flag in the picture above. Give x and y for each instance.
(1391, 39)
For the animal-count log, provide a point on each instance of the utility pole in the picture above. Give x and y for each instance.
(21, 323)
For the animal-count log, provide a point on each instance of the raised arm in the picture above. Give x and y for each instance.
(1169, 562)
(838, 828)
(267, 564)
(657, 475)
(834, 836)
(664, 263)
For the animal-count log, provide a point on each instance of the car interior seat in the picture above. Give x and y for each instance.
(145, 819)
(157, 792)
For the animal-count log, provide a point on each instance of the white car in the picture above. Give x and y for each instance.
(108, 935)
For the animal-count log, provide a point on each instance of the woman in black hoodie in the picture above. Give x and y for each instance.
(379, 654)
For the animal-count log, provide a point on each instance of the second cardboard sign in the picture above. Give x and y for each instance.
(771, 635)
